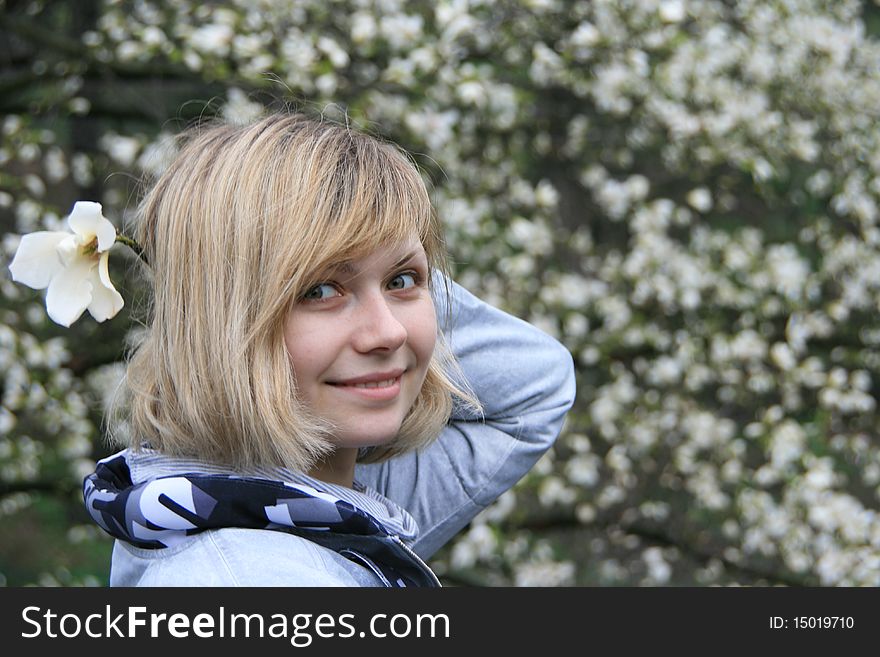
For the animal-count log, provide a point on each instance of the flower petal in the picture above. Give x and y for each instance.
(70, 291)
(106, 301)
(68, 249)
(86, 219)
(36, 261)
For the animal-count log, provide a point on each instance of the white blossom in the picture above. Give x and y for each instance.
(121, 148)
(672, 11)
(73, 266)
(700, 198)
(213, 39)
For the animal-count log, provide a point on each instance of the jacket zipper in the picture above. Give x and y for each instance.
(368, 563)
(417, 559)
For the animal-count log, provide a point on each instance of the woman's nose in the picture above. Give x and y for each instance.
(377, 327)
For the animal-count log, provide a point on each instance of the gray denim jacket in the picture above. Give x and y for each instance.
(525, 381)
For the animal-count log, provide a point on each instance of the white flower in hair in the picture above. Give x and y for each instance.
(72, 265)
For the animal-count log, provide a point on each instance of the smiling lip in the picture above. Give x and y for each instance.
(378, 386)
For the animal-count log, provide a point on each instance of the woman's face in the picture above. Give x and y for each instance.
(360, 342)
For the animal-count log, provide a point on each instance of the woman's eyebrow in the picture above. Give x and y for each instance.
(346, 267)
(405, 259)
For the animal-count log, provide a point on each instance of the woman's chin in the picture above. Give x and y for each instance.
(368, 437)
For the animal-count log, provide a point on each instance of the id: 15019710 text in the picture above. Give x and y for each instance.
(812, 623)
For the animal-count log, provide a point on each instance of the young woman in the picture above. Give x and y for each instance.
(297, 416)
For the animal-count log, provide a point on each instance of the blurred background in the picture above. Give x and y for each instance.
(684, 192)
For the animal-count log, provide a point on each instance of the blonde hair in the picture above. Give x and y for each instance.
(234, 231)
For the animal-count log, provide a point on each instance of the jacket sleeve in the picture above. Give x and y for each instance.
(525, 380)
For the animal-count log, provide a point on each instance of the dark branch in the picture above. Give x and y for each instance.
(73, 48)
(567, 522)
(59, 488)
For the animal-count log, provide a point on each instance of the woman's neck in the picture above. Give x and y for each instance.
(337, 468)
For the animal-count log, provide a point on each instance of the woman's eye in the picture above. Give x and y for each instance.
(321, 292)
(403, 281)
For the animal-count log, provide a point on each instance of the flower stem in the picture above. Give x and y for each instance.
(134, 246)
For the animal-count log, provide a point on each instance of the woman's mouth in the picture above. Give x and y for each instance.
(376, 384)
(379, 390)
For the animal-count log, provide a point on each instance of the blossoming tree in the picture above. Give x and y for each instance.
(684, 192)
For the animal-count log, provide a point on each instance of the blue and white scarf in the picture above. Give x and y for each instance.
(164, 511)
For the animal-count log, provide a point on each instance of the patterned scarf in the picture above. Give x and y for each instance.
(165, 511)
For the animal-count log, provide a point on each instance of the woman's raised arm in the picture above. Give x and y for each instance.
(525, 381)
